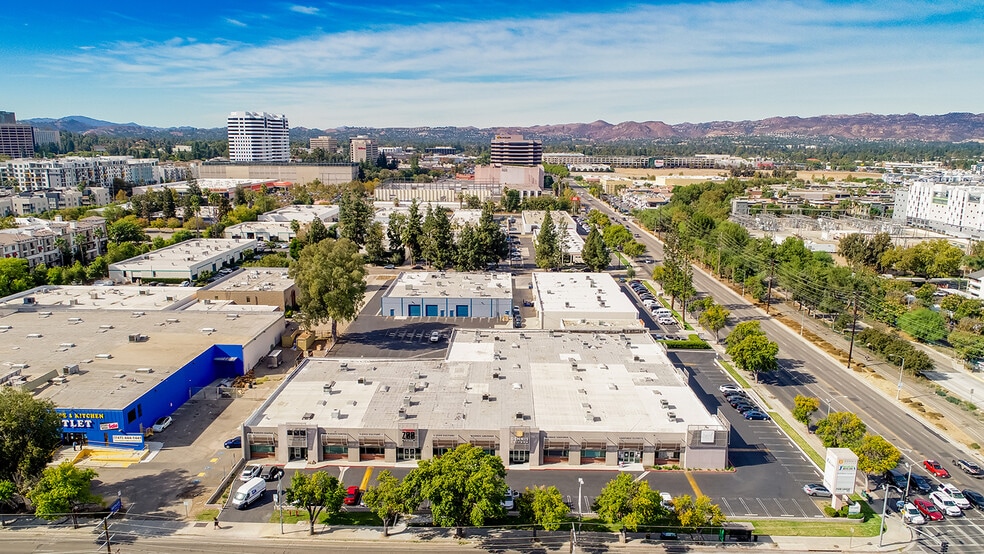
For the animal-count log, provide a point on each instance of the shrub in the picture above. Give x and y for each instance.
(829, 511)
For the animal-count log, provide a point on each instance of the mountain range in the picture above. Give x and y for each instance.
(951, 127)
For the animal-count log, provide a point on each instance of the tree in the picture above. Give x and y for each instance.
(633, 249)
(924, 324)
(751, 350)
(876, 456)
(841, 430)
(469, 257)
(616, 235)
(491, 242)
(804, 407)
(413, 231)
(547, 244)
(628, 503)
(464, 486)
(60, 489)
(387, 500)
(394, 231)
(595, 253)
(331, 279)
(697, 515)
(374, 242)
(354, 217)
(714, 318)
(510, 200)
(31, 430)
(316, 231)
(544, 506)
(125, 230)
(316, 493)
(439, 246)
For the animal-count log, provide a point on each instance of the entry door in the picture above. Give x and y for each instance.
(409, 453)
(630, 456)
(297, 453)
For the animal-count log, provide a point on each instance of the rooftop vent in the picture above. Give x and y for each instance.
(34, 335)
(144, 370)
(209, 330)
(104, 356)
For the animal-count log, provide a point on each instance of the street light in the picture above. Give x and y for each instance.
(831, 399)
(898, 392)
(881, 531)
(579, 483)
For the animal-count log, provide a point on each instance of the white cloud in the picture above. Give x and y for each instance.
(692, 62)
(307, 10)
(235, 22)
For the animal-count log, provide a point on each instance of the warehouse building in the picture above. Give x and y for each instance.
(254, 286)
(582, 301)
(112, 373)
(541, 399)
(183, 261)
(437, 294)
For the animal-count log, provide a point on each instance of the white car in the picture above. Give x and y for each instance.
(730, 388)
(509, 501)
(666, 321)
(666, 499)
(435, 336)
(162, 423)
(945, 504)
(250, 471)
(911, 515)
(958, 497)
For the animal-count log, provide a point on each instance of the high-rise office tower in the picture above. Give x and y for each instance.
(16, 139)
(258, 137)
(515, 150)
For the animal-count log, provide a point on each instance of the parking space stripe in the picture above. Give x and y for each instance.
(693, 483)
(365, 479)
(748, 511)
(764, 509)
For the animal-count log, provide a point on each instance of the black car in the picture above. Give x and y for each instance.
(745, 408)
(974, 497)
(273, 473)
(922, 484)
(517, 322)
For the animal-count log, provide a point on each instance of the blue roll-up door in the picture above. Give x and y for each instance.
(413, 310)
(461, 310)
(430, 310)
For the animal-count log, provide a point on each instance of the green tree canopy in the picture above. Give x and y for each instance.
(633, 249)
(548, 244)
(317, 492)
(30, 430)
(751, 350)
(876, 456)
(841, 430)
(544, 506)
(60, 488)
(714, 318)
(438, 243)
(125, 230)
(629, 503)
(354, 217)
(595, 253)
(387, 499)
(924, 324)
(695, 515)
(465, 486)
(331, 279)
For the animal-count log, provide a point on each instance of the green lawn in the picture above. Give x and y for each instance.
(798, 439)
(826, 527)
(735, 375)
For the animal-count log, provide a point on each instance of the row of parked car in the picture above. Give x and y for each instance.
(739, 400)
(662, 315)
(944, 500)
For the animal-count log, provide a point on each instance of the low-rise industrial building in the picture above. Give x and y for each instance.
(254, 286)
(183, 261)
(535, 399)
(571, 243)
(278, 225)
(112, 373)
(582, 301)
(437, 294)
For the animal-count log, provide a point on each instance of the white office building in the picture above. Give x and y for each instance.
(258, 137)
(942, 207)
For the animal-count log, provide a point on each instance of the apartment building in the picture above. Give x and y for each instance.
(363, 149)
(32, 174)
(258, 137)
(41, 241)
(942, 207)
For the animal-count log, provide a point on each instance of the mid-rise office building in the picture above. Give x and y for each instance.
(16, 140)
(326, 143)
(258, 137)
(363, 149)
(46, 136)
(515, 150)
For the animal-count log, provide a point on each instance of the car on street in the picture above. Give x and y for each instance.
(352, 495)
(162, 423)
(250, 471)
(417, 267)
(517, 322)
(234, 442)
(970, 468)
(945, 504)
(389, 266)
(666, 321)
(435, 336)
(911, 515)
(922, 484)
(974, 497)
(816, 489)
(935, 468)
(958, 498)
(927, 509)
(757, 415)
(272, 473)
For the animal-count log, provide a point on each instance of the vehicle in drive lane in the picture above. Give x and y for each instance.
(816, 489)
(970, 468)
(974, 497)
(911, 515)
(234, 442)
(945, 504)
(958, 497)
(927, 509)
(935, 468)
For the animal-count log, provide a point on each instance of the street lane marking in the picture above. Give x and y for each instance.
(213, 460)
(693, 483)
(641, 477)
(365, 479)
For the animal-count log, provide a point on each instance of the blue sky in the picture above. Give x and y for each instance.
(456, 62)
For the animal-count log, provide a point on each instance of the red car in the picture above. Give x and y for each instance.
(935, 468)
(928, 510)
(352, 496)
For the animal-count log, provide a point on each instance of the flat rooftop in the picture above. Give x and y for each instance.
(580, 292)
(83, 337)
(578, 382)
(259, 279)
(185, 254)
(301, 213)
(102, 298)
(432, 284)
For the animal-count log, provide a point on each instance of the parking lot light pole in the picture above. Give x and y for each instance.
(831, 399)
(881, 531)
(579, 512)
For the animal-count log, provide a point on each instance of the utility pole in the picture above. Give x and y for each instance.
(109, 544)
(854, 326)
(768, 298)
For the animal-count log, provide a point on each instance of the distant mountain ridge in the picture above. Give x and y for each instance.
(951, 127)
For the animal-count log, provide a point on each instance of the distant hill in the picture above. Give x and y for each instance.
(952, 127)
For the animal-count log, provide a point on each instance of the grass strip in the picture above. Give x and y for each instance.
(734, 374)
(826, 527)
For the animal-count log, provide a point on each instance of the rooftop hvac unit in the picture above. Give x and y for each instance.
(519, 415)
(106, 327)
(402, 413)
(137, 314)
(336, 413)
(406, 401)
(29, 300)
(18, 366)
(144, 370)
(209, 330)
(671, 416)
(67, 345)
(5, 327)
(411, 387)
(104, 356)
(44, 314)
(34, 335)
(172, 320)
(70, 369)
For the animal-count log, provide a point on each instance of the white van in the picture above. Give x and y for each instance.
(662, 312)
(248, 493)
